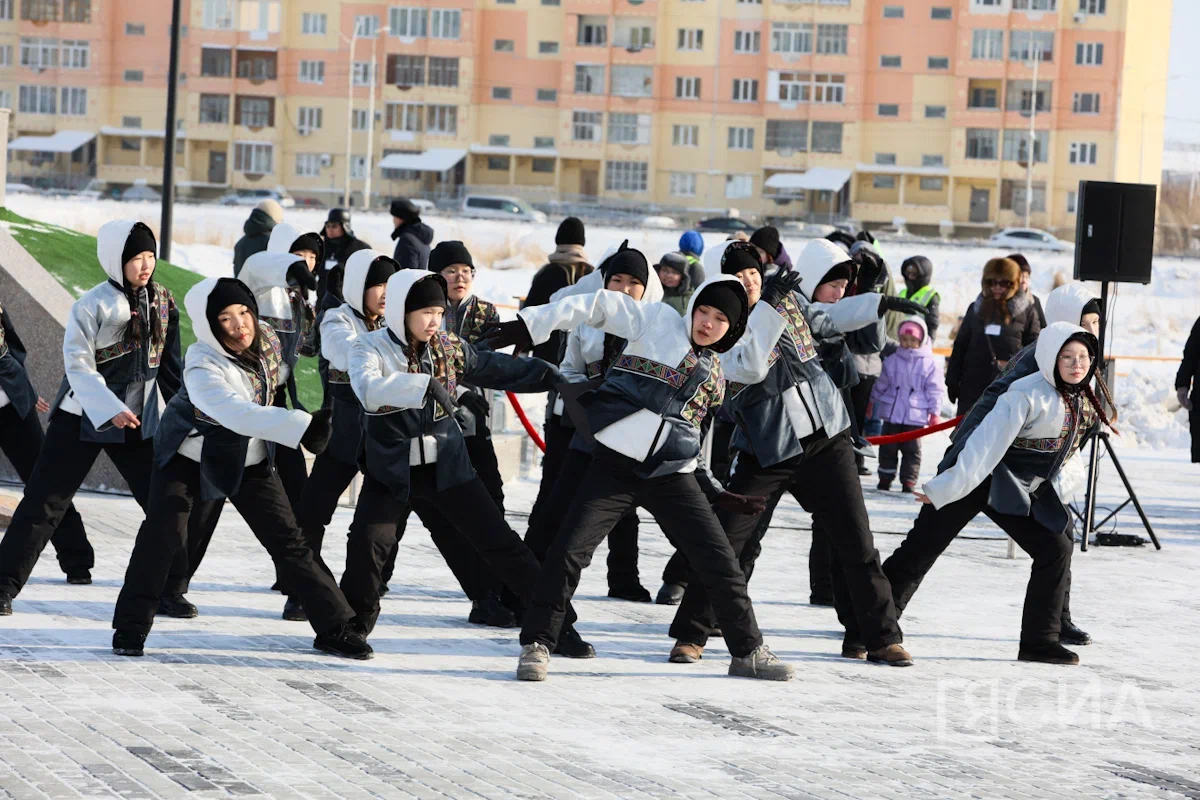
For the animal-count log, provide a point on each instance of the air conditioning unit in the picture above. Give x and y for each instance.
(1080, 17)
(326, 160)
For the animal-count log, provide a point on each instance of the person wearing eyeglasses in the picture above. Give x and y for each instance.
(996, 326)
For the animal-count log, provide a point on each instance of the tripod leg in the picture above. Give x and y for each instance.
(1089, 499)
(1132, 496)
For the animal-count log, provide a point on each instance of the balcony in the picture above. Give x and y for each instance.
(984, 95)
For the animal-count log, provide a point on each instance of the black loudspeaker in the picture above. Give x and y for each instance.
(1114, 232)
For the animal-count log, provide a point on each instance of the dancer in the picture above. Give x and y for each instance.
(121, 358)
(1007, 468)
(646, 418)
(215, 443)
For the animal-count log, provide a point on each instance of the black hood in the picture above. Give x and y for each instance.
(258, 224)
(418, 229)
(924, 272)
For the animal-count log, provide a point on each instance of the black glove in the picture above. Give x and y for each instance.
(477, 404)
(901, 304)
(870, 267)
(780, 287)
(320, 430)
(865, 236)
(952, 393)
(440, 396)
(741, 503)
(502, 334)
(300, 275)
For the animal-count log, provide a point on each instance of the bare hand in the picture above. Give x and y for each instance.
(42, 406)
(922, 498)
(126, 419)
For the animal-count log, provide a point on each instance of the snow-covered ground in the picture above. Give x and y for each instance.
(1149, 322)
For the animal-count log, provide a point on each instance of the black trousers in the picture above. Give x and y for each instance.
(825, 479)
(860, 398)
(906, 454)
(461, 520)
(61, 468)
(21, 441)
(558, 441)
(609, 490)
(293, 475)
(936, 528)
(175, 492)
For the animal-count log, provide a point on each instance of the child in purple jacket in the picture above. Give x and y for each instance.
(907, 396)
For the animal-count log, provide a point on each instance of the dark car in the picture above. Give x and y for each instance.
(725, 224)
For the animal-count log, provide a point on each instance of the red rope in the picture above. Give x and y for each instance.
(532, 431)
(897, 438)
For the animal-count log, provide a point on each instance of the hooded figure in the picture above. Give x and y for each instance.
(411, 234)
(997, 325)
(564, 268)
(691, 244)
(338, 250)
(918, 272)
(256, 233)
(676, 296)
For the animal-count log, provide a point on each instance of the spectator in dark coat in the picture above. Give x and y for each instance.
(1000, 322)
(340, 244)
(412, 236)
(1187, 382)
(767, 240)
(565, 266)
(1026, 276)
(257, 232)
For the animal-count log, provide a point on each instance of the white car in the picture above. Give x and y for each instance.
(1018, 239)
(252, 197)
(496, 207)
(140, 192)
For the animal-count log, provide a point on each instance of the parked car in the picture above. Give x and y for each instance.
(19, 188)
(1019, 239)
(140, 193)
(659, 222)
(426, 206)
(252, 197)
(495, 207)
(725, 225)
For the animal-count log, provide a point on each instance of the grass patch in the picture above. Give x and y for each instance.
(71, 258)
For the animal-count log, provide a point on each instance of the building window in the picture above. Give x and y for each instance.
(443, 71)
(889, 62)
(6, 55)
(312, 71)
(829, 88)
(791, 37)
(6, 12)
(593, 31)
(987, 44)
(989, 3)
(687, 88)
(982, 143)
(366, 25)
(1086, 103)
(884, 182)
(217, 15)
(313, 25)
(39, 53)
(933, 161)
(585, 126)
(589, 79)
(795, 87)
(445, 23)
(888, 110)
(746, 41)
(1073, 198)
(885, 159)
(255, 65)
(547, 48)
(498, 163)
(1012, 196)
(214, 108)
(547, 95)
(1035, 5)
(831, 39)
(75, 54)
(690, 39)
(309, 119)
(1021, 96)
(745, 90)
(254, 158)
(405, 70)
(935, 112)
(682, 184)
(827, 137)
(442, 119)
(542, 165)
(738, 187)
(941, 12)
(1094, 8)
(543, 142)
(308, 165)
(362, 73)
(6, 99)
(685, 135)
(502, 93)
(216, 62)
(131, 122)
(629, 128)
(1082, 153)
(358, 167)
(256, 112)
(74, 102)
(403, 117)
(1016, 146)
(629, 81)
(132, 29)
(787, 134)
(741, 138)
(938, 62)
(133, 76)
(932, 184)
(408, 23)
(1026, 45)
(982, 97)
(1089, 54)
(893, 12)
(358, 119)
(502, 45)
(626, 176)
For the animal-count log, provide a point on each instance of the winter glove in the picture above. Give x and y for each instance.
(901, 304)
(741, 503)
(1182, 394)
(440, 396)
(870, 267)
(780, 287)
(320, 430)
(952, 393)
(300, 275)
(502, 334)
(477, 404)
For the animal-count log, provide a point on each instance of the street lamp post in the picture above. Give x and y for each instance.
(1030, 156)
(371, 121)
(349, 116)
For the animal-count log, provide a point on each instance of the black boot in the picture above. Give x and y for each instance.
(1069, 633)
(572, 645)
(1049, 653)
(81, 578)
(293, 610)
(671, 594)
(175, 605)
(128, 643)
(346, 641)
(491, 612)
(5, 605)
(821, 599)
(635, 594)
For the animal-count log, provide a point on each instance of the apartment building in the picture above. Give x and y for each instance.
(926, 110)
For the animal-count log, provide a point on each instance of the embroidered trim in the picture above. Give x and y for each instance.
(280, 325)
(797, 330)
(448, 361)
(338, 376)
(674, 377)
(163, 303)
(709, 394)
(1053, 445)
(478, 315)
(595, 369)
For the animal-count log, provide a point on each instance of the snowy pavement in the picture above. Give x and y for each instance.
(237, 703)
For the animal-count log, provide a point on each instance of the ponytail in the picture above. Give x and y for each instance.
(137, 330)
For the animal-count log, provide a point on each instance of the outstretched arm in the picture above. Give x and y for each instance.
(611, 312)
(981, 452)
(488, 370)
(210, 392)
(375, 390)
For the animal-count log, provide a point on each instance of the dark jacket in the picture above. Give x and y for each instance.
(14, 380)
(1037, 309)
(257, 232)
(1189, 370)
(973, 361)
(412, 245)
(567, 264)
(680, 296)
(329, 274)
(916, 289)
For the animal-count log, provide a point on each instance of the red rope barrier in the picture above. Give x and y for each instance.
(532, 431)
(897, 438)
